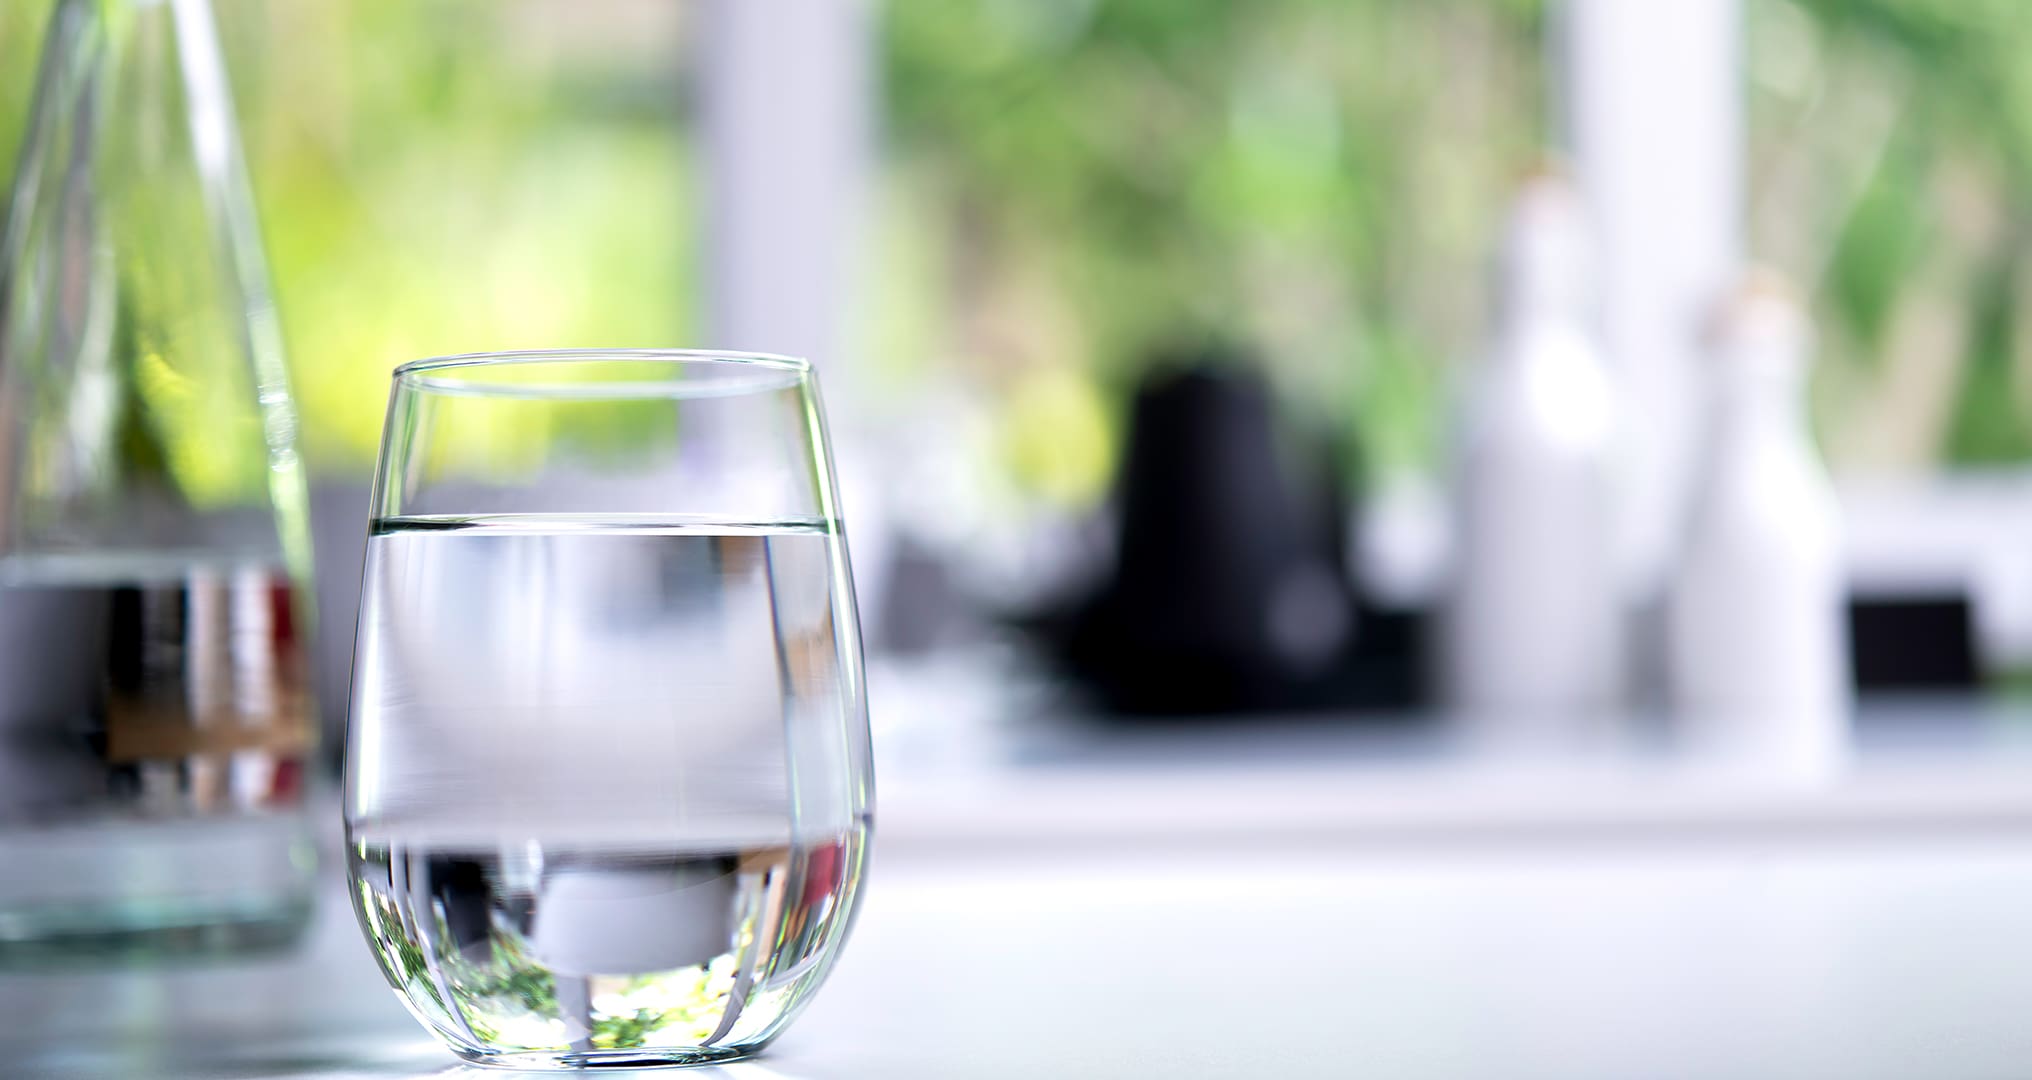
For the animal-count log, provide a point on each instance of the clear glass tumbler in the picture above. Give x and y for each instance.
(608, 786)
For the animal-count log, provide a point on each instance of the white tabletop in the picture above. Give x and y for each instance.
(1313, 914)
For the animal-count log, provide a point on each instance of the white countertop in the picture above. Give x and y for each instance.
(1778, 960)
(1231, 910)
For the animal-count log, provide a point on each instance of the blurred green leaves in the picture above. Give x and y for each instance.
(448, 176)
(1881, 243)
(457, 176)
(1320, 179)
(1073, 183)
(1934, 233)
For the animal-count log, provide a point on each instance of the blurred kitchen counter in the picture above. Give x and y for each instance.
(1300, 899)
(1021, 768)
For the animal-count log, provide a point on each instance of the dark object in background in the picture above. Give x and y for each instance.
(1913, 643)
(1228, 592)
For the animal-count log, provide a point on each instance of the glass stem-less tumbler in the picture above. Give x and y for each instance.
(154, 720)
(608, 789)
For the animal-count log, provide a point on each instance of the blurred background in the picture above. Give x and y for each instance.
(1007, 215)
(1242, 409)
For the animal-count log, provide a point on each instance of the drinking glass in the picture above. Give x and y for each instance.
(608, 786)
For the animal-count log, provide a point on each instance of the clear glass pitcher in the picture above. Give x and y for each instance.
(155, 720)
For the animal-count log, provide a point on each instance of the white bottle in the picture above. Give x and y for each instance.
(1533, 634)
(1757, 647)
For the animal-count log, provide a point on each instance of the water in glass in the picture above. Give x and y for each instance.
(599, 764)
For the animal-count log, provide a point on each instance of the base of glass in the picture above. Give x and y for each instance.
(639, 1058)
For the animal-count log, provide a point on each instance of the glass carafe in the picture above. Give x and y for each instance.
(155, 724)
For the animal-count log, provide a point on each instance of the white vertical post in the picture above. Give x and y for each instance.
(787, 98)
(1652, 112)
(786, 93)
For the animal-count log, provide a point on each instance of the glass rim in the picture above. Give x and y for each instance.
(764, 372)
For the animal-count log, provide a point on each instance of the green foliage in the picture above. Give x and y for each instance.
(508, 987)
(458, 176)
(1320, 178)
(1881, 244)
(1989, 423)
(1944, 198)
(1075, 182)
(446, 176)
(21, 32)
